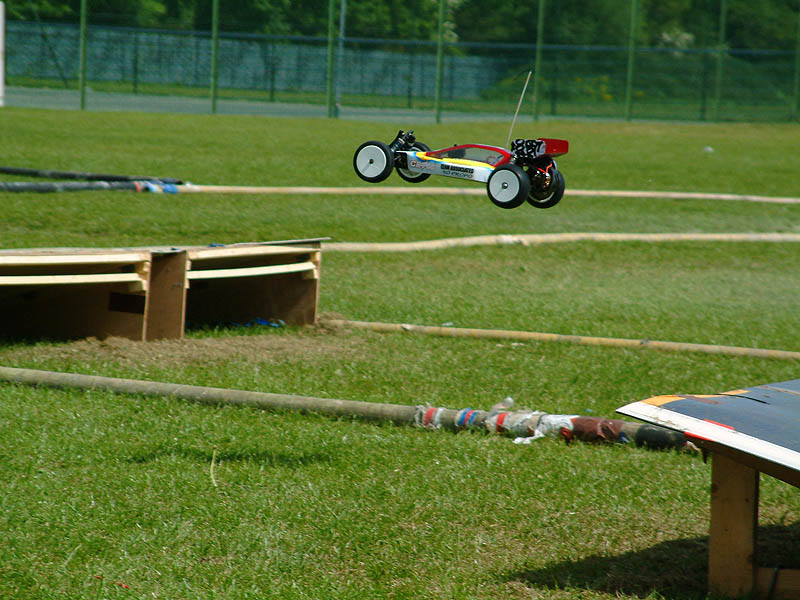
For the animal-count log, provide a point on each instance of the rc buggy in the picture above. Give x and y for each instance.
(526, 172)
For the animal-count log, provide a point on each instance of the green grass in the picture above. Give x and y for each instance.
(747, 158)
(702, 293)
(118, 487)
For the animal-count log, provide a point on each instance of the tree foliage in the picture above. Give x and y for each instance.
(669, 23)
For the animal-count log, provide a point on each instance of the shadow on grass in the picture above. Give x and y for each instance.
(204, 455)
(673, 570)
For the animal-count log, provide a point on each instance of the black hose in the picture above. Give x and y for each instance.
(84, 176)
(70, 186)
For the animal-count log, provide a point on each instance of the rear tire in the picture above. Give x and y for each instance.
(549, 195)
(508, 186)
(373, 161)
(413, 176)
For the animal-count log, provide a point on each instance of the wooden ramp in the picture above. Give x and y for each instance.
(153, 293)
(749, 432)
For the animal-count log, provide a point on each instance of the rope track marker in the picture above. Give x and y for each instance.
(532, 336)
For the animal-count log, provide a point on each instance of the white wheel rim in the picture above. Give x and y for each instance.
(504, 186)
(371, 161)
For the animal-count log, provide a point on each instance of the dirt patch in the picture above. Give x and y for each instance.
(306, 345)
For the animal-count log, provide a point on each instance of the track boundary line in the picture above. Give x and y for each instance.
(190, 188)
(581, 340)
(531, 239)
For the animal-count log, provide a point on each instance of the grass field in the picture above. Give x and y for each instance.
(108, 496)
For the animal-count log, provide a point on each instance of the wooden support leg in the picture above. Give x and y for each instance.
(734, 519)
(166, 299)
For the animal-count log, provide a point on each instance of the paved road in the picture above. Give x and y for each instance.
(106, 101)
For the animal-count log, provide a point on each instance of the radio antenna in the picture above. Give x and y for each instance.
(516, 112)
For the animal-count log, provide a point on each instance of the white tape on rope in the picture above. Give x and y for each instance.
(552, 238)
(473, 191)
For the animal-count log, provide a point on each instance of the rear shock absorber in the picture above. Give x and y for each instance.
(403, 141)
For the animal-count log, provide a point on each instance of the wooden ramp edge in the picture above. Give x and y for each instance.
(154, 293)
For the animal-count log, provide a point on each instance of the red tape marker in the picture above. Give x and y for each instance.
(501, 418)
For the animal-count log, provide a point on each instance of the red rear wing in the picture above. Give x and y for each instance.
(555, 147)
(539, 147)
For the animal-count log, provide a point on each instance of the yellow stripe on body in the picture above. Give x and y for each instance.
(456, 161)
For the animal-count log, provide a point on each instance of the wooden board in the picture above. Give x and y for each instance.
(236, 251)
(252, 271)
(761, 421)
(93, 258)
(166, 299)
(69, 293)
(82, 278)
(72, 311)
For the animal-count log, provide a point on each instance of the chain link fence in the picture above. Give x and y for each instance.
(170, 70)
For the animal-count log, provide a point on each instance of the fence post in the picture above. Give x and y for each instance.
(331, 56)
(537, 65)
(631, 56)
(2, 54)
(410, 78)
(796, 103)
(723, 13)
(136, 62)
(437, 100)
(273, 61)
(214, 54)
(83, 50)
(337, 101)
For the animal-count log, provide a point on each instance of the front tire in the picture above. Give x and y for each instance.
(413, 176)
(373, 161)
(508, 186)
